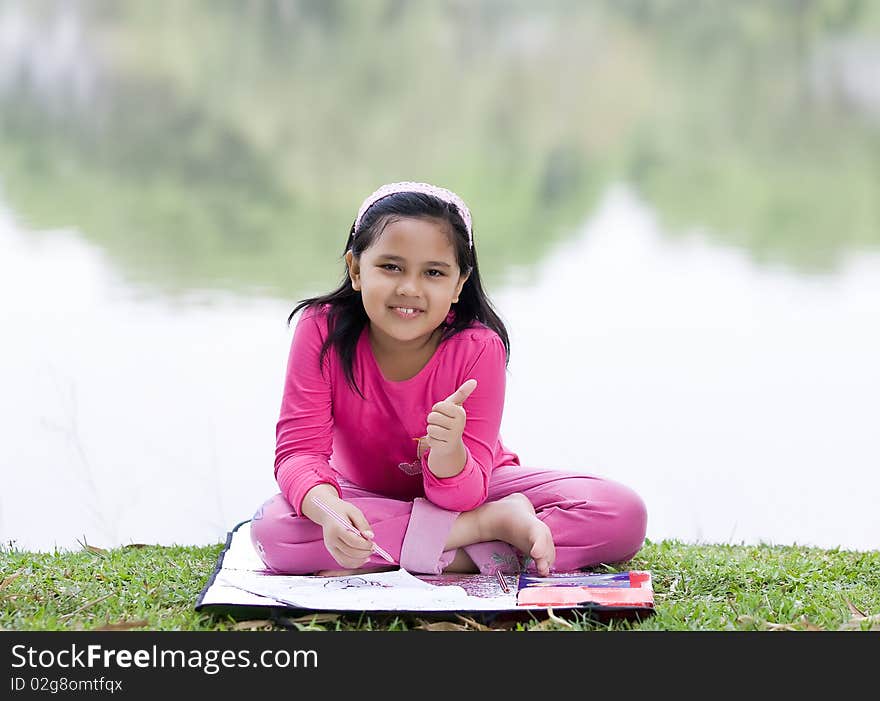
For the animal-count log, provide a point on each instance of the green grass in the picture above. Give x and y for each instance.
(697, 587)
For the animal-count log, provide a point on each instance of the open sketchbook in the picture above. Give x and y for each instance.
(240, 586)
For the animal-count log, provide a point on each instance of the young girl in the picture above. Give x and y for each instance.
(391, 412)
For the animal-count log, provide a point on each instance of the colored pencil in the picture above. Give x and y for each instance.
(345, 524)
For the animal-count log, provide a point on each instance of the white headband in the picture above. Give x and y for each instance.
(424, 188)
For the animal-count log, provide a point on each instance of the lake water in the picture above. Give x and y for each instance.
(740, 399)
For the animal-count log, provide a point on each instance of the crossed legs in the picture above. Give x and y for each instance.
(559, 518)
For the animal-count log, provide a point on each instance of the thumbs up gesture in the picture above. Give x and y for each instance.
(446, 421)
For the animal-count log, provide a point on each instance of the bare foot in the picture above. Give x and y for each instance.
(513, 520)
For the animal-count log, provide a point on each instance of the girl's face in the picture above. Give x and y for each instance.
(411, 265)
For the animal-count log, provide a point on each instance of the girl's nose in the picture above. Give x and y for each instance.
(407, 288)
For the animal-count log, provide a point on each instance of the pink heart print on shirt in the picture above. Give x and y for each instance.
(414, 467)
(458, 398)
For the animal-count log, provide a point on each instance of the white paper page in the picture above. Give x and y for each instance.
(396, 590)
(241, 554)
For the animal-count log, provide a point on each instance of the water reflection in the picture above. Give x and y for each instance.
(709, 336)
(739, 400)
(226, 145)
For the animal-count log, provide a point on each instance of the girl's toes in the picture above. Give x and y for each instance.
(543, 567)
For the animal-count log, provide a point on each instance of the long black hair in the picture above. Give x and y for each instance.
(346, 317)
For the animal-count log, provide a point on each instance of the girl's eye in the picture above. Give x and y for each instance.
(431, 272)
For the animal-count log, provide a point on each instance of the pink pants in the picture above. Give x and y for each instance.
(593, 520)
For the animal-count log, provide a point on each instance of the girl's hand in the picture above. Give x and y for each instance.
(446, 421)
(350, 550)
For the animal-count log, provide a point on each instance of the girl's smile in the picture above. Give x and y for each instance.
(407, 313)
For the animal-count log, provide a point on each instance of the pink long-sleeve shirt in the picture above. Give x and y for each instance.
(327, 432)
